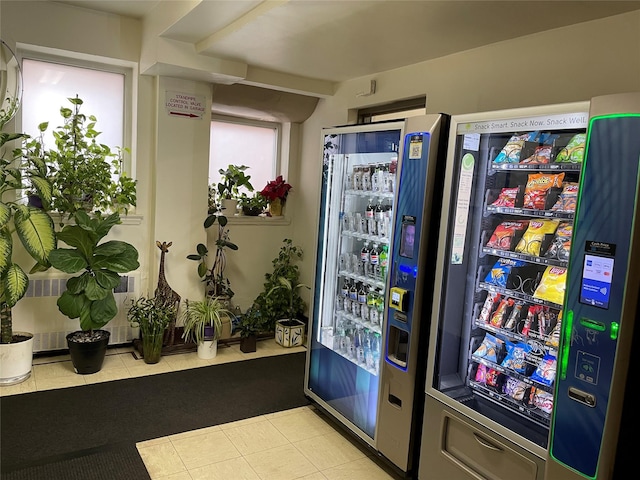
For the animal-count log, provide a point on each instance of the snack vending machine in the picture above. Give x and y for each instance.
(593, 429)
(373, 283)
(511, 187)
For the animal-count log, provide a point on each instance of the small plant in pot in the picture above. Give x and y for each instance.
(202, 320)
(250, 325)
(89, 296)
(274, 302)
(153, 317)
(289, 330)
(231, 181)
(253, 205)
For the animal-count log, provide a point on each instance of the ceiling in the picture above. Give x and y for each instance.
(338, 40)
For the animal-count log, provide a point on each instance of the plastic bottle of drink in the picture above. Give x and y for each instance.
(366, 177)
(344, 291)
(372, 301)
(369, 211)
(362, 300)
(374, 261)
(379, 211)
(353, 292)
(365, 258)
(384, 261)
(380, 306)
(375, 352)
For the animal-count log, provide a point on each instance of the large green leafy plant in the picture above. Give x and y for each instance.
(217, 284)
(89, 296)
(19, 169)
(276, 301)
(87, 175)
(232, 180)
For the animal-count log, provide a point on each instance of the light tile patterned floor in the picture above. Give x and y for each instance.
(293, 444)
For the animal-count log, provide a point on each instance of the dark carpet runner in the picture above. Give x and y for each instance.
(96, 427)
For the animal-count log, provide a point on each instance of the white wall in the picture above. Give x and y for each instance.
(563, 65)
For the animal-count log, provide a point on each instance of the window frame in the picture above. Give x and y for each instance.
(128, 69)
(276, 166)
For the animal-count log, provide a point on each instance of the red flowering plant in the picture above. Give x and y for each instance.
(277, 188)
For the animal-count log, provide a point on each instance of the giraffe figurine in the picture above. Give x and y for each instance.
(165, 295)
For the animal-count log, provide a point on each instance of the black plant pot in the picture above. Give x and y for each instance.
(248, 344)
(88, 350)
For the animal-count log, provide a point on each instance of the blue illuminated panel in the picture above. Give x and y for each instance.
(595, 289)
(406, 243)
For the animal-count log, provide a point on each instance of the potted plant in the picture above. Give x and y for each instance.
(153, 317)
(35, 229)
(217, 285)
(276, 303)
(232, 180)
(202, 321)
(276, 192)
(87, 175)
(289, 330)
(252, 205)
(250, 325)
(89, 296)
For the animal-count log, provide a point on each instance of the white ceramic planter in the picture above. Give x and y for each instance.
(208, 349)
(16, 360)
(289, 333)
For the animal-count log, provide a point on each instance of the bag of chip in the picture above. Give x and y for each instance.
(504, 234)
(553, 340)
(481, 373)
(531, 241)
(560, 246)
(500, 271)
(510, 153)
(574, 151)
(490, 303)
(537, 187)
(552, 285)
(488, 348)
(506, 198)
(516, 356)
(541, 155)
(514, 388)
(493, 378)
(545, 373)
(568, 198)
(514, 317)
(501, 313)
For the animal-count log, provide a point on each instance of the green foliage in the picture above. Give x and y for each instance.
(253, 204)
(83, 170)
(276, 302)
(22, 168)
(233, 178)
(201, 313)
(217, 285)
(150, 314)
(89, 296)
(252, 323)
(291, 292)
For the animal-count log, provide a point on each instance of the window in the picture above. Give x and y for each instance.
(394, 111)
(236, 141)
(105, 88)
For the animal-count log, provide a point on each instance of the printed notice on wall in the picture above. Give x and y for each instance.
(462, 208)
(185, 105)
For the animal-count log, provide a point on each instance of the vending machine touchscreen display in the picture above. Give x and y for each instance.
(407, 237)
(597, 272)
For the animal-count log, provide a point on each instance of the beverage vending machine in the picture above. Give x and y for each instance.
(373, 283)
(506, 233)
(593, 428)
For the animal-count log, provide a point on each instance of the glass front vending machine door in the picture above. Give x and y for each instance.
(356, 221)
(503, 262)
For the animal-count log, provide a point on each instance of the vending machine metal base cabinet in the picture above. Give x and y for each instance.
(381, 193)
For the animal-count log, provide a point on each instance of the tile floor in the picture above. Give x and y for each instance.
(294, 444)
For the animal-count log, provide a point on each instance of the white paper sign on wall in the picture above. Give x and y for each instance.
(185, 105)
